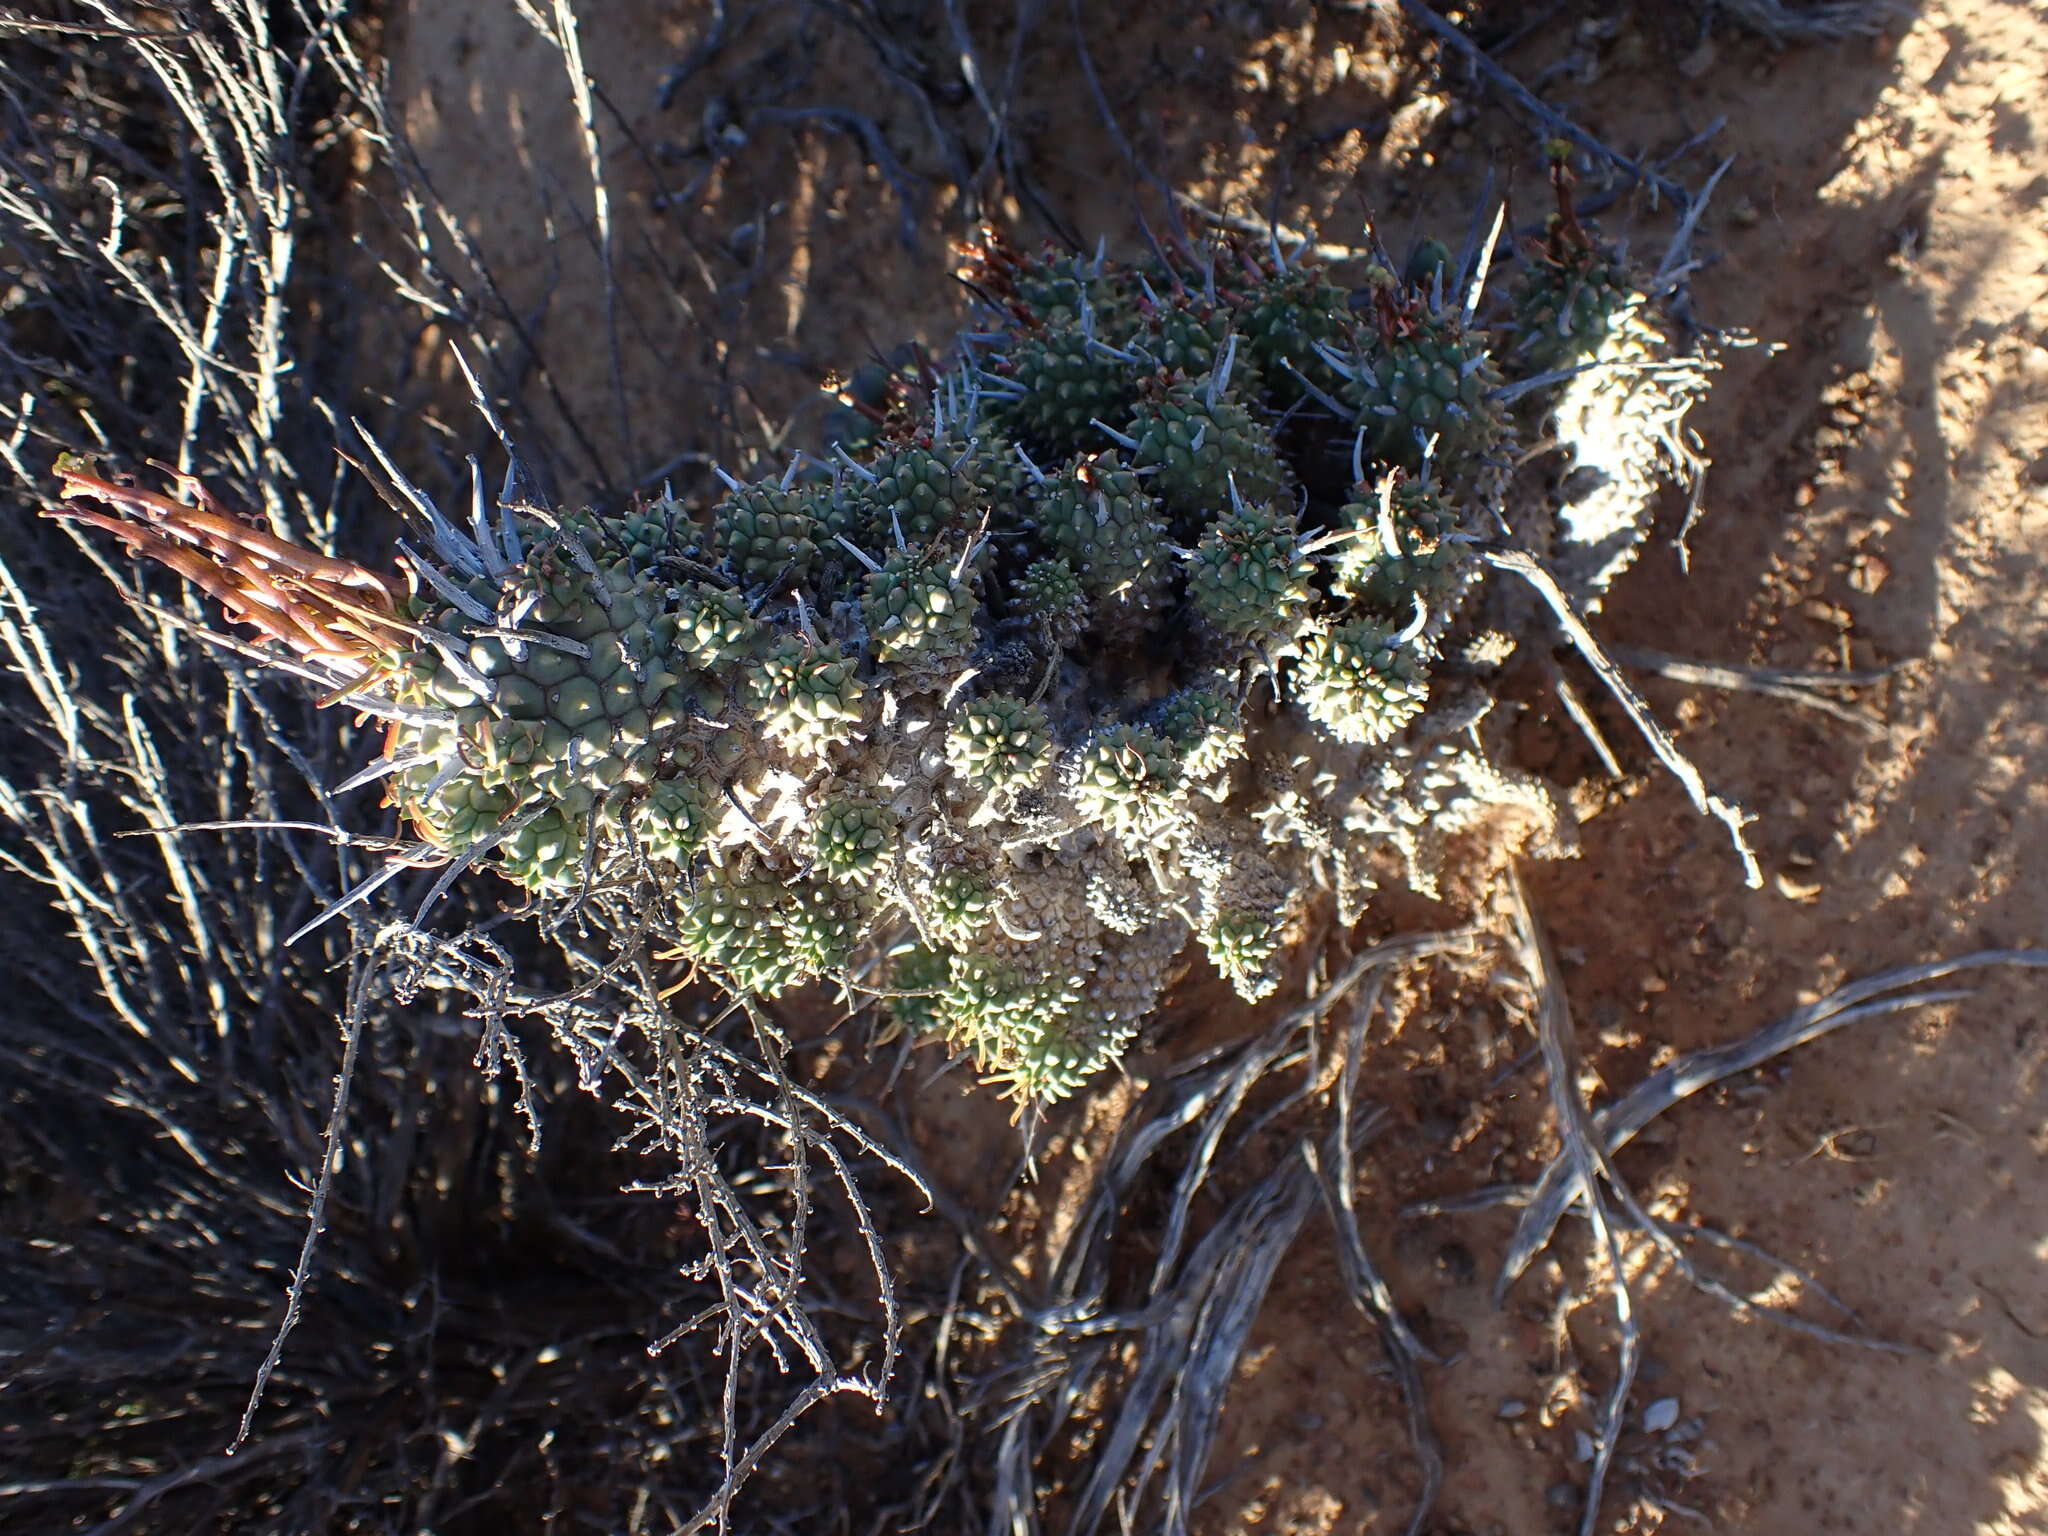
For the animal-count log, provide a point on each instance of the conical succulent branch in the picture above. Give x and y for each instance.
(1421, 381)
(1619, 410)
(1403, 540)
(1072, 668)
(1248, 577)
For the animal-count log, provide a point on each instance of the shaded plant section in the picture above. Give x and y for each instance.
(257, 1194)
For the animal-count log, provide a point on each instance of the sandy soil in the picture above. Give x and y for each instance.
(1879, 496)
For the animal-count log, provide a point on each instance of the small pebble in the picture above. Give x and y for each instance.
(1513, 1408)
(1660, 1415)
(1582, 1446)
(1796, 890)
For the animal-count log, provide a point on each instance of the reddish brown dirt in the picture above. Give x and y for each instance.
(1880, 495)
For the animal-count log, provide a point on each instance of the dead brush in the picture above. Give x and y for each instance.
(467, 1318)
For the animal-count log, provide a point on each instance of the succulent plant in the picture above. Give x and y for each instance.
(1287, 316)
(999, 742)
(1127, 780)
(821, 926)
(1067, 382)
(1358, 684)
(961, 902)
(1248, 577)
(1404, 542)
(1570, 292)
(1185, 332)
(1423, 386)
(1618, 414)
(854, 838)
(714, 627)
(1071, 665)
(765, 534)
(912, 495)
(1197, 441)
(919, 606)
(1241, 944)
(916, 975)
(740, 925)
(805, 696)
(1050, 593)
(678, 818)
(1206, 728)
(1097, 515)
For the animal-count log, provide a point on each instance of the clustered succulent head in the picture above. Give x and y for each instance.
(1078, 666)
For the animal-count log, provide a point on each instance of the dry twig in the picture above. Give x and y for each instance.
(1794, 687)
(1188, 1326)
(1595, 1174)
(1704, 799)
(1620, 1122)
